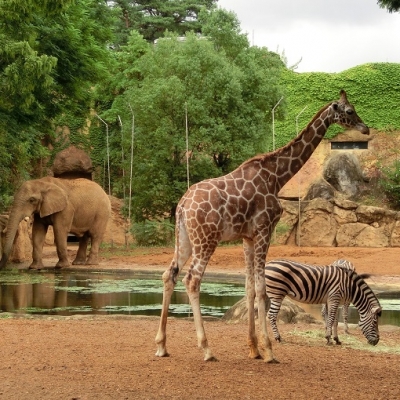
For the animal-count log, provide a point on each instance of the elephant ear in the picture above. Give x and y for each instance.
(54, 199)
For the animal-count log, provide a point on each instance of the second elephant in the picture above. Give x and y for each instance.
(77, 206)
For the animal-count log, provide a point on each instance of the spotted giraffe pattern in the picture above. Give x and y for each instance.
(244, 205)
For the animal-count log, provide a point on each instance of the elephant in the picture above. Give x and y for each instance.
(78, 206)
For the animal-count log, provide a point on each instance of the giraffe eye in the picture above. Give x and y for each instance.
(349, 112)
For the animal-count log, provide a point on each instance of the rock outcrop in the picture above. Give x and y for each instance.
(339, 222)
(344, 173)
(72, 163)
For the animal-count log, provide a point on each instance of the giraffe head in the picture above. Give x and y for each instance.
(345, 115)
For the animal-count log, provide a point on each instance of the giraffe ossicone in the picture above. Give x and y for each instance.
(243, 205)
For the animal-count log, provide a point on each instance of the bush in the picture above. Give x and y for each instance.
(153, 233)
(390, 183)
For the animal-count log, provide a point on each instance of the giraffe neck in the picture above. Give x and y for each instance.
(285, 162)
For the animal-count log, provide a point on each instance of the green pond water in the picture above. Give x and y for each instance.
(69, 292)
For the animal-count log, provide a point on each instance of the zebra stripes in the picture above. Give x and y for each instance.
(341, 263)
(331, 285)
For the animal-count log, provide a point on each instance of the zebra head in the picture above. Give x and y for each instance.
(367, 305)
(369, 325)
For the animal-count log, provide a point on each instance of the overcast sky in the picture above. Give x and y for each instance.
(329, 36)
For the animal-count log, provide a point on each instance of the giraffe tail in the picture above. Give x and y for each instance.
(179, 231)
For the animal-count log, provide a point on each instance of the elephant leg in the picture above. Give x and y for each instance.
(60, 238)
(39, 231)
(96, 234)
(93, 258)
(80, 258)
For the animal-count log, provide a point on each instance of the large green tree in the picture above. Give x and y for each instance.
(223, 89)
(52, 53)
(152, 18)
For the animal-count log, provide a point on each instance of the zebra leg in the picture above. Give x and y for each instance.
(345, 317)
(275, 305)
(335, 328)
(324, 314)
(332, 311)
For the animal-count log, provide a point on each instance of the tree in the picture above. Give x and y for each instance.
(390, 5)
(228, 107)
(52, 54)
(152, 18)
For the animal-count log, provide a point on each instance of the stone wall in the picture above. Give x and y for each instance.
(339, 222)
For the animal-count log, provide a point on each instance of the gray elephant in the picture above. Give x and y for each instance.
(78, 206)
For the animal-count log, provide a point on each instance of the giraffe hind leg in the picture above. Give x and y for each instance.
(169, 279)
(192, 282)
(183, 251)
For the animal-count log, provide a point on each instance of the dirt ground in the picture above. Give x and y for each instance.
(112, 357)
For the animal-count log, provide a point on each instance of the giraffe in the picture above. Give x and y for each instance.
(243, 205)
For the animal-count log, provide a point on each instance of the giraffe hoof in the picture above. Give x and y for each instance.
(161, 354)
(255, 356)
(212, 359)
(272, 361)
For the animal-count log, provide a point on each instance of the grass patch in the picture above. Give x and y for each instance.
(316, 337)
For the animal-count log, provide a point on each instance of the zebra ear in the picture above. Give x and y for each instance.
(377, 310)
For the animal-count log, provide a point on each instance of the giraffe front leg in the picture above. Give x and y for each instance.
(252, 341)
(266, 347)
(192, 284)
(252, 337)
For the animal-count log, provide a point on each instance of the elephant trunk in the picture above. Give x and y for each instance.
(11, 231)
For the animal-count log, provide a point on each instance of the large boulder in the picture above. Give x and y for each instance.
(320, 188)
(343, 172)
(72, 163)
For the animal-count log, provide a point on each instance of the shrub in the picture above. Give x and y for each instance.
(153, 233)
(390, 183)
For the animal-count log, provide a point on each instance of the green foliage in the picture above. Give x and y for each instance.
(374, 89)
(390, 183)
(390, 5)
(153, 233)
(153, 18)
(51, 56)
(225, 101)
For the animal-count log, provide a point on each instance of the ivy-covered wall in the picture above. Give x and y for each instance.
(374, 89)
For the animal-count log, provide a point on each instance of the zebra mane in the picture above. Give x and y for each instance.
(358, 280)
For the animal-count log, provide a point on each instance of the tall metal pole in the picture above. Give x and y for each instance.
(108, 154)
(122, 156)
(273, 123)
(131, 172)
(298, 181)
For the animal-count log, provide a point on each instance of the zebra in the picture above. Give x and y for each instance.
(341, 263)
(329, 284)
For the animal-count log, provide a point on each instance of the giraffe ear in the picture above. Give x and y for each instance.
(343, 96)
(335, 106)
